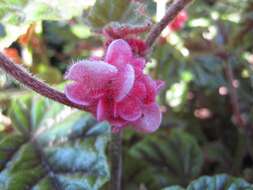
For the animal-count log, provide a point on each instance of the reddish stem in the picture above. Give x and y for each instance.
(173, 10)
(24, 77)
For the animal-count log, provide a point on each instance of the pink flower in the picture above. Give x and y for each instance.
(179, 21)
(116, 89)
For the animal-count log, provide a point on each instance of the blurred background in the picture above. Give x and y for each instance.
(205, 57)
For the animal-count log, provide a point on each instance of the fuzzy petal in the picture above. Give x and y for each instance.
(94, 73)
(138, 63)
(123, 82)
(129, 109)
(151, 89)
(102, 109)
(79, 94)
(151, 119)
(138, 91)
(118, 53)
(105, 112)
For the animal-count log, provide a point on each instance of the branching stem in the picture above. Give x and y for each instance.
(173, 10)
(25, 78)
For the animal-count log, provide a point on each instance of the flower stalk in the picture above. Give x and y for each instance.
(25, 78)
(116, 161)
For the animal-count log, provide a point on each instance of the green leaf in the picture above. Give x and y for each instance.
(52, 147)
(217, 182)
(176, 187)
(175, 158)
(123, 11)
(49, 74)
(216, 152)
(208, 72)
(17, 15)
(134, 175)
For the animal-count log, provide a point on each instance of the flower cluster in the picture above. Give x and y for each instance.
(179, 21)
(129, 34)
(138, 46)
(115, 89)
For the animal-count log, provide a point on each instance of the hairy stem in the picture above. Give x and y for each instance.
(116, 161)
(24, 77)
(171, 13)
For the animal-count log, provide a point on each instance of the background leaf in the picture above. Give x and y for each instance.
(175, 158)
(123, 12)
(16, 16)
(217, 182)
(52, 147)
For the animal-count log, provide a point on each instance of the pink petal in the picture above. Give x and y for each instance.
(151, 89)
(129, 109)
(139, 91)
(117, 123)
(151, 119)
(80, 94)
(105, 112)
(118, 53)
(93, 73)
(138, 63)
(102, 109)
(115, 110)
(123, 82)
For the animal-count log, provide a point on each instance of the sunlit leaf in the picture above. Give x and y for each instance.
(123, 11)
(16, 16)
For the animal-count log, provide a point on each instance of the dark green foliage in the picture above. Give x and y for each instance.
(217, 182)
(174, 159)
(52, 147)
